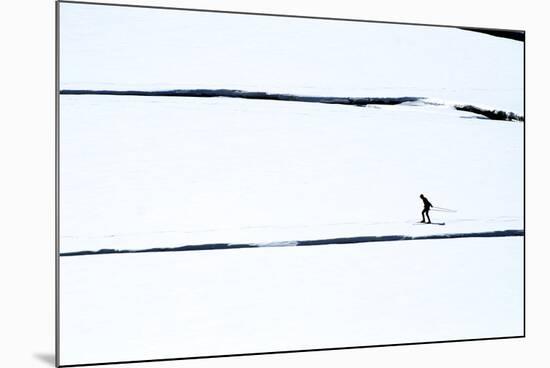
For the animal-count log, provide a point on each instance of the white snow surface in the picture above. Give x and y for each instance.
(144, 172)
(105, 47)
(173, 305)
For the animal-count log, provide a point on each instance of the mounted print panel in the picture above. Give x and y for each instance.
(237, 183)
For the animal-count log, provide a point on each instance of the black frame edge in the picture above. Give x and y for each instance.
(293, 351)
(57, 186)
(284, 15)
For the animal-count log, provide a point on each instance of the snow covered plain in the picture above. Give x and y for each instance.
(150, 49)
(175, 171)
(170, 305)
(145, 172)
(157, 171)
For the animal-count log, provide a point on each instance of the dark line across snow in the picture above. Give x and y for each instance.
(347, 240)
(234, 93)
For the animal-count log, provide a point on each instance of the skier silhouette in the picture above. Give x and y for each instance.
(426, 209)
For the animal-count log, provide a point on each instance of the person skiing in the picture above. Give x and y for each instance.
(426, 210)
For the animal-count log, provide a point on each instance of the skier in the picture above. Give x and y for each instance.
(426, 209)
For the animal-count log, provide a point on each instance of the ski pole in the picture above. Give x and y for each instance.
(442, 209)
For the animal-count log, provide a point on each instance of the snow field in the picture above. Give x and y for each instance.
(168, 305)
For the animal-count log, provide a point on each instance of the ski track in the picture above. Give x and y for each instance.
(344, 240)
(293, 226)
